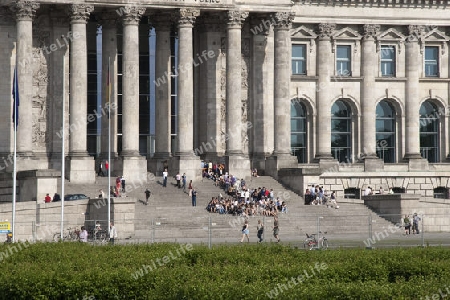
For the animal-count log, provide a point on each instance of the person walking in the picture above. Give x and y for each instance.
(194, 197)
(245, 232)
(106, 169)
(276, 229)
(165, 174)
(122, 182)
(407, 224)
(260, 231)
(147, 195)
(178, 178)
(183, 182)
(415, 228)
(112, 233)
(100, 169)
(190, 188)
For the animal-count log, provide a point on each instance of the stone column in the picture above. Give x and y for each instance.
(368, 90)
(25, 11)
(134, 167)
(81, 168)
(108, 20)
(412, 98)
(324, 94)
(209, 60)
(262, 105)
(237, 163)
(185, 160)
(162, 22)
(282, 157)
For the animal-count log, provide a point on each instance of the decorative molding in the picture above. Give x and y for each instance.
(132, 14)
(437, 36)
(283, 20)
(79, 13)
(370, 31)
(187, 16)
(392, 36)
(236, 17)
(304, 33)
(24, 10)
(326, 30)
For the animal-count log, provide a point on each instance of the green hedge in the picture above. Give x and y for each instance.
(81, 271)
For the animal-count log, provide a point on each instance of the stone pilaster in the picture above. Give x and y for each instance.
(81, 168)
(134, 167)
(209, 60)
(237, 163)
(24, 12)
(185, 160)
(412, 98)
(109, 20)
(162, 24)
(282, 157)
(324, 94)
(263, 85)
(368, 90)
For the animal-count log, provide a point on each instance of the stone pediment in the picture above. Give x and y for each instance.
(391, 34)
(436, 35)
(303, 32)
(347, 34)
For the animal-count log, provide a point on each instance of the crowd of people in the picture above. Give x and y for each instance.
(320, 196)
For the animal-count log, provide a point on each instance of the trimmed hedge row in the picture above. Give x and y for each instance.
(171, 271)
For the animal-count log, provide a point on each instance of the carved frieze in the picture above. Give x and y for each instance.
(187, 16)
(283, 20)
(370, 31)
(236, 17)
(326, 30)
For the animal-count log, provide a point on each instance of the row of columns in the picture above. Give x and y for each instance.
(369, 72)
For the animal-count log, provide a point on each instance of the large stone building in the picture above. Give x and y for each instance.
(348, 88)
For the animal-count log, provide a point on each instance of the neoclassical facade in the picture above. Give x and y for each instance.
(338, 85)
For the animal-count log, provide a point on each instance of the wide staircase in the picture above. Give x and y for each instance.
(170, 216)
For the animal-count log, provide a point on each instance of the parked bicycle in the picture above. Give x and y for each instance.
(70, 234)
(97, 236)
(311, 242)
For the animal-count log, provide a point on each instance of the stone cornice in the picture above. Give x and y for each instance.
(79, 13)
(132, 14)
(376, 3)
(187, 16)
(236, 17)
(283, 20)
(24, 10)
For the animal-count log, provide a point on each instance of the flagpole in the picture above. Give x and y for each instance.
(63, 150)
(109, 145)
(15, 156)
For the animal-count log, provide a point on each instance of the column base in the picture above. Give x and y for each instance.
(158, 162)
(190, 165)
(80, 169)
(238, 165)
(373, 163)
(418, 164)
(134, 169)
(258, 161)
(279, 161)
(327, 162)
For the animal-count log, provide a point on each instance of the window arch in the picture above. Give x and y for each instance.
(341, 131)
(429, 131)
(386, 131)
(298, 130)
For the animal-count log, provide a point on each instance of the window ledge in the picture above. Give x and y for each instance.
(304, 78)
(433, 79)
(390, 79)
(338, 78)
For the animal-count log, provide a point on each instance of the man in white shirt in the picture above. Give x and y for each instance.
(165, 174)
(112, 233)
(83, 235)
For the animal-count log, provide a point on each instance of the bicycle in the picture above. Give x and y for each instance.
(71, 234)
(98, 236)
(311, 242)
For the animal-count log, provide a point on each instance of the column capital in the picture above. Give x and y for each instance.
(326, 30)
(187, 16)
(283, 20)
(370, 31)
(79, 13)
(162, 21)
(236, 17)
(415, 33)
(132, 14)
(24, 10)
(108, 18)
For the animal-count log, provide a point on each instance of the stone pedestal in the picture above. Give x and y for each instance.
(328, 163)
(238, 166)
(190, 165)
(156, 165)
(274, 163)
(80, 169)
(35, 184)
(134, 169)
(372, 164)
(393, 206)
(418, 164)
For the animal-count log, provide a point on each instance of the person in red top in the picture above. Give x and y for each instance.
(48, 198)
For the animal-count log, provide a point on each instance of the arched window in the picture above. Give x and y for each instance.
(429, 131)
(298, 130)
(385, 131)
(341, 131)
